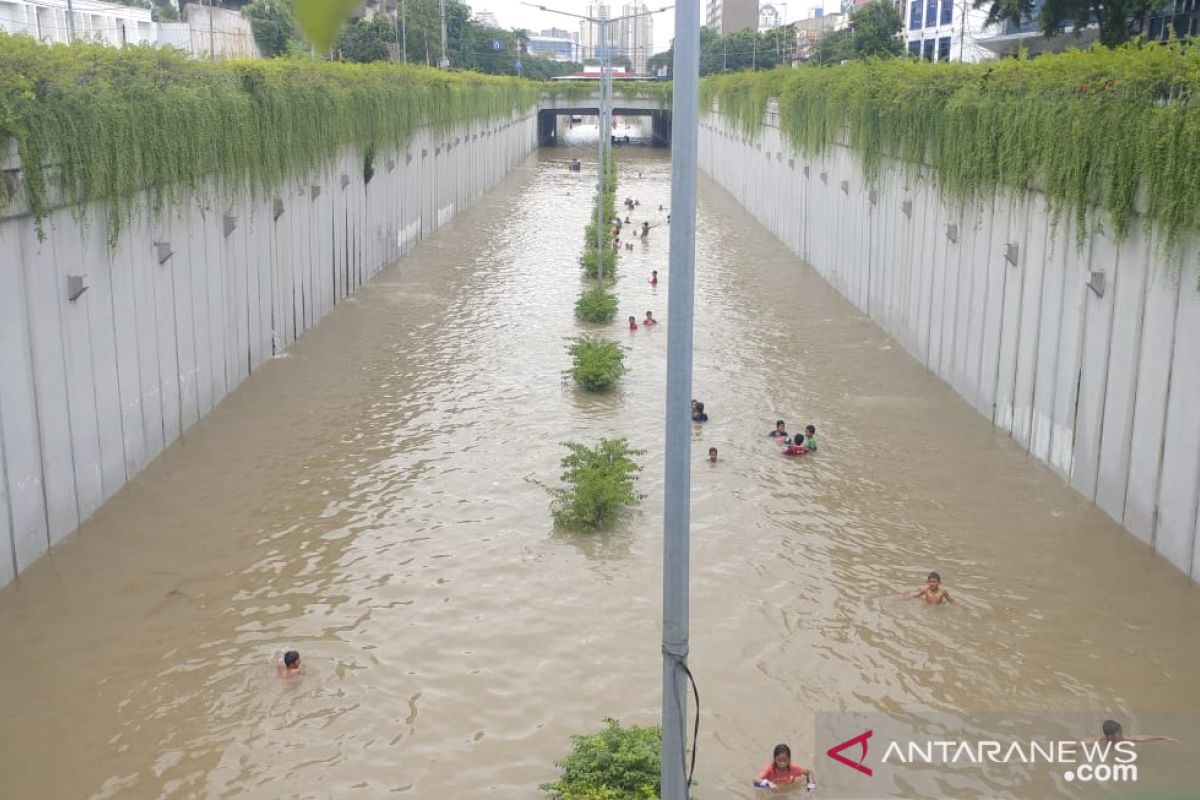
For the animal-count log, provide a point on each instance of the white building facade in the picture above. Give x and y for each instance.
(946, 30)
(635, 36)
(91, 21)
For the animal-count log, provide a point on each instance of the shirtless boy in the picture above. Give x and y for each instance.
(933, 593)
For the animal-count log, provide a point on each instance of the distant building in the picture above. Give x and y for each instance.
(487, 18)
(106, 23)
(946, 30)
(635, 35)
(769, 17)
(555, 48)
(729, 16)
(204, 32)
(590, 46)
(1181, 17)
(1178, 17)
(809, 31)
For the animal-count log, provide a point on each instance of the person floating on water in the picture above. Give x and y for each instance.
(934, 594)
(649, 320)
(290, 666)
(698, 414)
(712, 455)
(654, 277)
(632, 323)
(782, 772)
(1113, 733)
(780, 431)
(576, 166)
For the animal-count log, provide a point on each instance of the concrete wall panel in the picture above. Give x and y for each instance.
(1129, 302)
(1093, 377)
(102, 342)
(77, 362)
(180, 268)
(163, 294)
(44, 295)
(1150, 403)
(990, 258)
(1179, 484)
(22, 469)
(1067, 373)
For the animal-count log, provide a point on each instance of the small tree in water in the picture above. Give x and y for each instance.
(598, 363)
(596, 305)
(598, 484)
(614, 763)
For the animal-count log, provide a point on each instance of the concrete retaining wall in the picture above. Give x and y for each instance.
(1104, 388)
(91, 390)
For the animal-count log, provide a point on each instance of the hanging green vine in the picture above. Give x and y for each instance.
(116, 121)
(1092, 128)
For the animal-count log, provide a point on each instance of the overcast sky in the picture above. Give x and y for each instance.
(512, 14)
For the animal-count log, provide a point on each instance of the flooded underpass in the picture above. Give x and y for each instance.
(365, 500)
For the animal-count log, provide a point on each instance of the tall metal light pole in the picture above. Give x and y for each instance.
(604, 120)
(685, 117)
(445, 62)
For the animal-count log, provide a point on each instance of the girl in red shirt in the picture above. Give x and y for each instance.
(781, 771)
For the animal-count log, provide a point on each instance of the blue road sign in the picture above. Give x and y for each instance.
(518, 65)
(495, 44)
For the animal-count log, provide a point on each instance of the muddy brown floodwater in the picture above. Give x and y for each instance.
(364, 499)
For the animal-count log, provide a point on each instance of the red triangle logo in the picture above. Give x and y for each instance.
(835, 753)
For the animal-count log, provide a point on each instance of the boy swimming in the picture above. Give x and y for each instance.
(933, 593)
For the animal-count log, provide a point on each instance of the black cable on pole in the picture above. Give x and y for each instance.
(690, 771)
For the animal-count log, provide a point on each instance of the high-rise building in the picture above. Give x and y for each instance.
(636, 36)
(487, 18)
(590, 46)
(729, 16)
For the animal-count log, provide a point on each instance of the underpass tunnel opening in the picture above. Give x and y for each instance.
(580, 126)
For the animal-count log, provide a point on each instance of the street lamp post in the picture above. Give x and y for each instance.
(444, 63)
(604, 120)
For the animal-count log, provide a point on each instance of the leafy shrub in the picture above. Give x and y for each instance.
(596, 305)
(588, 260)
(599, 363)
(598, 484)
(614, 763)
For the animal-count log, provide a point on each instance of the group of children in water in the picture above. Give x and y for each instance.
(798, 445)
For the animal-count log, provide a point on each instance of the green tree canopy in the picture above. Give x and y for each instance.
(1118, 19)
(363, 40)
(273, 25)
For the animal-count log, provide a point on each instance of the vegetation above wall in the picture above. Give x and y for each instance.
(1092, 128)
(116, 121)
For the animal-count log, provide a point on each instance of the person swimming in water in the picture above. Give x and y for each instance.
(1113, 733)
(649, 320)
(290, 666)
(780, 431)
(933, 593)
(712, 455)
(632, 323)
(698, 414)
(654, 277)
(810, 437)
